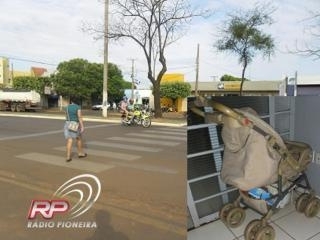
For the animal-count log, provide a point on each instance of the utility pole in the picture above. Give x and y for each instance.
(12, 75)
(132, 77)
(295, 83)
(197, 72)
(105, 64)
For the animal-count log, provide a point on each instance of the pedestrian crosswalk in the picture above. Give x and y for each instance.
(157, 136)
(145, 141)
(120, 151)
(100, 153)
(124, 146)
(60, 161)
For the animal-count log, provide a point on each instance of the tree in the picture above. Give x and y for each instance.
(241, 36)
(311, 50)
(175, 90)
(153, 25)
(73, 79)
(24, 83)
(228, 78)
(84, 80)
(116, 83)
(31, 83)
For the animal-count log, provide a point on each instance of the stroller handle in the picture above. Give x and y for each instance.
(202, 102)
(231, 113)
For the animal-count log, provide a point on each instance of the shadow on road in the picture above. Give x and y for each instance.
(104, 229)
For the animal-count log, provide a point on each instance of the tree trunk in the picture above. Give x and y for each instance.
(156, 94)
(242, 76)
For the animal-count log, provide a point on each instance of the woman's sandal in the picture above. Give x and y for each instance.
(69, 160)
(82, 156)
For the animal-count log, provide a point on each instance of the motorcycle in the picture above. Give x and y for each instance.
(138, 117)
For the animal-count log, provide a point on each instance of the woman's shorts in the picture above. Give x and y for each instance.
(70, 134)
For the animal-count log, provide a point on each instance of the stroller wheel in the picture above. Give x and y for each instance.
(251, 229)
(224, 211)
(265, 233)
(312, 208)
(302, 202)
(235, 217)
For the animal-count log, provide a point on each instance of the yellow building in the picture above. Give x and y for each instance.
(180, 104)
(172, 77)
(21, 74)
(6, 75)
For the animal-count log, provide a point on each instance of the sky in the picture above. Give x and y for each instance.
(44, 33)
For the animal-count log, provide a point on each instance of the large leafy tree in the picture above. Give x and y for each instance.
(74, 79)
(84, 80)
(243, 37)
(153, 25)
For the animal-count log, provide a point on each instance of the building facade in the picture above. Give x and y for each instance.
(291, 86)
(232, 88)
(5, 76)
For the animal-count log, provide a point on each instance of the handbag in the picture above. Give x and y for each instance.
(72, 125)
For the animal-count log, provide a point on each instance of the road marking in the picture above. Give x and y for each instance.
(157, 136)
(84, 165)
(167, 132)
(31, 135)
(107, 154)
(145, 141)
(124, 146)
(48, 133)
(184, 130)
(146, 167)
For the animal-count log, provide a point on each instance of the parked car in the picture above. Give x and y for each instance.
(99, 106)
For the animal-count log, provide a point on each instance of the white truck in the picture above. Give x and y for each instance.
(19, 101)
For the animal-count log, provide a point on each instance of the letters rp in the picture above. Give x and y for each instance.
(47, 208)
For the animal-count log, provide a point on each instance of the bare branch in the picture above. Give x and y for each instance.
(313, 29)
(153, 25)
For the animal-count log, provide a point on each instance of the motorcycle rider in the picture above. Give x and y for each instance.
(127, 109)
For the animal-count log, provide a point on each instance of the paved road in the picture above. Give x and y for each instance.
(142, 174)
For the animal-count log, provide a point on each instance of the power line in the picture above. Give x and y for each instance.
(28, 60)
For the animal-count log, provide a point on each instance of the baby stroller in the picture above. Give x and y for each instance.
(261, 165)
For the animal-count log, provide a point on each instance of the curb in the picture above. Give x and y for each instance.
(88, 119)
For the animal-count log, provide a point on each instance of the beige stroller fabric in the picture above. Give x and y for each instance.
(248, 161)
(251, 160)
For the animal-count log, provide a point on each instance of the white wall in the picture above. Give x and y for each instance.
(139, 94)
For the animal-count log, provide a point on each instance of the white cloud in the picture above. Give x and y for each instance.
(47, 30)
(50, 31)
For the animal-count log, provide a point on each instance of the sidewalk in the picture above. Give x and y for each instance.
(168, 119)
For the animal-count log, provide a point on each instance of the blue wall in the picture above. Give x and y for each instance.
(307, 129)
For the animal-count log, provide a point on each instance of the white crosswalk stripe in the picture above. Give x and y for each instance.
(166, 132)
(146, 167)
(145, 141)
(124, 146)
(107, 154)
(157, 136)
(61, 162)
(177, 130)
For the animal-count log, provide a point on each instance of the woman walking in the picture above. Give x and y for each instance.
(73, 113)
